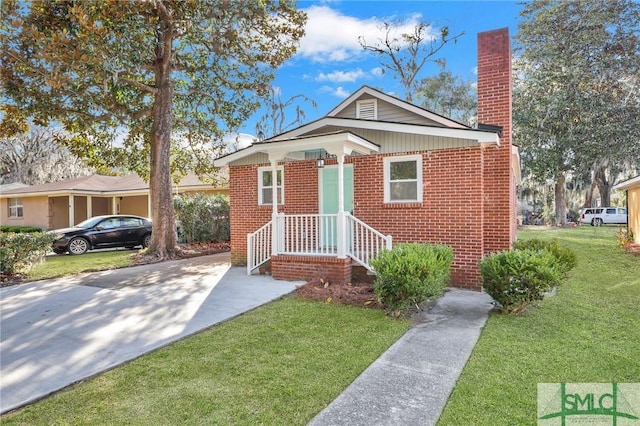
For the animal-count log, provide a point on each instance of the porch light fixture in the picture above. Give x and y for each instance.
(320, 162)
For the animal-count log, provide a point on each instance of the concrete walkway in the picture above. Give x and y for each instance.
(411, 382)
(56, 332)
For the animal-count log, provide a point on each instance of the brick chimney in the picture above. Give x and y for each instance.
(494, 109)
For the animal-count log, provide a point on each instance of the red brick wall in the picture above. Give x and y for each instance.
(450, 212)
(301, 196)
(494, 107)
(295, 268)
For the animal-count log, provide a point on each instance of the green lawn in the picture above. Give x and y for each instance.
(588, 332)
(281, 364)
(62, 265)
(278, 365)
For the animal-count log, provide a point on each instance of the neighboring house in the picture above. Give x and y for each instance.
(632, 188)
(317, 200)
(68, 202)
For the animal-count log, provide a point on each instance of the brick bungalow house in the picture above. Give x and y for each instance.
(327, 196)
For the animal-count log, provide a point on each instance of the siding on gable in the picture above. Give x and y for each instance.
(389, 112)
(257, 158)
(390, 142)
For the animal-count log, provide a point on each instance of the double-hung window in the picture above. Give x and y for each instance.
(403, 179)
(265, 185)
(15, 207)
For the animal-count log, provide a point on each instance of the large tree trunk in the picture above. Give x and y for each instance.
(588, 196)
(604, 187)
(164, 241)
(560, 200)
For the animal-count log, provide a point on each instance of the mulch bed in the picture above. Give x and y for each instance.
(358, 293)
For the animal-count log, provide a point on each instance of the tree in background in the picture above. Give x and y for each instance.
(576, 90)
(274, 121)
(405, 55)
(449, 95)
(153, 85)
(34, 158)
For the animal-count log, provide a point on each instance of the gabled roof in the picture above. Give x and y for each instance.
(312, 133)
(447, 122)
(100, 185)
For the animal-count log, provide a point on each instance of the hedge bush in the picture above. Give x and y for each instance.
(202, 218)
(411, 273)
(18, 229)
(516, 278)
(20, 251)
(566, 258)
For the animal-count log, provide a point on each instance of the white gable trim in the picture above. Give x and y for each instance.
(397, 102)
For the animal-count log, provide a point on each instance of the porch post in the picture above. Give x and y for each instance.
(341, 220)
(72, 211)
(274, 207)
(89, 206)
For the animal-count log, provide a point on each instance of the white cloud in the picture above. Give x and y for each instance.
(333, 37)
(338, 92)
(377, 71)
(341, 76)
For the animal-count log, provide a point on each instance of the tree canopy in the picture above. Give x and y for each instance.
(34, 158)
(449, 95)
(406, 54)
(147, 85)
(577, 89)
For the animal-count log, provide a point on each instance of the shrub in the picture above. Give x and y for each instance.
(624, 236)
(566, 258)
(19, 229)
(19, 251)
(516, 278)
(202, 218)
(410, 274)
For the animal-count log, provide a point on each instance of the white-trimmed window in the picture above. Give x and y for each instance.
(15, 207)
(403, 179)
(265, 185)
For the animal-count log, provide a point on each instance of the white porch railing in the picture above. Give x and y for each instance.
(309, 234)
(259, 247)
(365, 243)
(316, 235)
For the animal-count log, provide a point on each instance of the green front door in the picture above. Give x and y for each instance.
(329, 197)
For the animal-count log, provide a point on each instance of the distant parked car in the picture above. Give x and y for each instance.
(103, 232)
(597, 216)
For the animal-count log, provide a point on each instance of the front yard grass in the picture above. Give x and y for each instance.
(62, 265)
(278, 365)
(588, 332)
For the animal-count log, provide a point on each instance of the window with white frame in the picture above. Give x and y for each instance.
(403, 179)
(15, 207)
(265, 185)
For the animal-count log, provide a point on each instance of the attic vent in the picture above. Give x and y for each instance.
(367, 110)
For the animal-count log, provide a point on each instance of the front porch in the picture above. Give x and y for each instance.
(315, 246)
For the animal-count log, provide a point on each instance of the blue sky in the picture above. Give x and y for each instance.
(330, 64)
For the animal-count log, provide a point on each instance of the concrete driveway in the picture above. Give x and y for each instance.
(56, 332)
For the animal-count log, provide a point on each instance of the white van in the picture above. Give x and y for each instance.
(596, 216)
